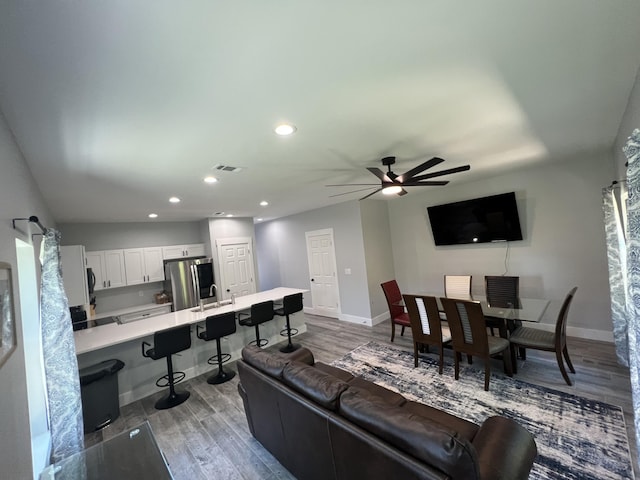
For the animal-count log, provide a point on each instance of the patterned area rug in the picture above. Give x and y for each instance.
(577, 438)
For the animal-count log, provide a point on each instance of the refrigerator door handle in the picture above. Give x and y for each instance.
(196, 281)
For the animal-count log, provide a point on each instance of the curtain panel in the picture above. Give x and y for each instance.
(616, 259)
(59, 352)
(632, 152)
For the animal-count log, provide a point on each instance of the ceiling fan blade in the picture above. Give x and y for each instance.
(420, 168)
(435, 183)
(352, 191)
(374, 192)
(402, 192)
(380, 174)
(464, 168)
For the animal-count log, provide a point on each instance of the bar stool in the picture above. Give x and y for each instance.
(166, 343)
(218, 326)
(290, 305)
(260, 313)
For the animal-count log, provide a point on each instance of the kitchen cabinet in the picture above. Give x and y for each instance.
(74, 274)
(143, 265)
(182, 251)
(108, 267)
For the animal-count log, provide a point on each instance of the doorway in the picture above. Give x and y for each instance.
(323, 277)
(235, 260)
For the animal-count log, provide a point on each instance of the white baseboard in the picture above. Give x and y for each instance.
(380, 318)
(355, 319)
(578, 332)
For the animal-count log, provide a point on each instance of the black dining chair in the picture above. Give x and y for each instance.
(469, 336)
(502, 292)
(556, 341)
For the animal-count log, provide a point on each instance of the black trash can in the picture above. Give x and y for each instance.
(99, 391)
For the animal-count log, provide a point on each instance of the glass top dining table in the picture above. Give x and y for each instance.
(525, 309)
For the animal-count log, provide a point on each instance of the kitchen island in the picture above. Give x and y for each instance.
(123, 341)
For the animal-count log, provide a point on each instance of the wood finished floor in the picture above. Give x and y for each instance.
(207, 436)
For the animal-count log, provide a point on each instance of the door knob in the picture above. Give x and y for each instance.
(312, 280)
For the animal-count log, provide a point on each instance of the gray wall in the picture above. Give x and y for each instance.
(630, 121)
(560, 207)
(22, 409)
(378, 252)
(108, 236)
(283, 244)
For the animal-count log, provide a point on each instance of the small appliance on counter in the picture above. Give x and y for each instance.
(78, 318)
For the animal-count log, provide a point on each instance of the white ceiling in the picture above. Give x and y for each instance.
(118, 105)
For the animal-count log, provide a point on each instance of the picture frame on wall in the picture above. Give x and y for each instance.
(8, 342)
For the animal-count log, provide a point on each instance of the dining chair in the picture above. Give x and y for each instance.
(503, 292)
(396, 310)
(457, 286)
(426, 327)
(469, 336)
(556, 341)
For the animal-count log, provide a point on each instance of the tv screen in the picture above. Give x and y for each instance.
(480, 220)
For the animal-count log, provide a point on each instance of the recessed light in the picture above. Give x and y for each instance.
(174, 200)
(229, 215)
(153, 215)
(392, 189)
(285, 129)
(210, 179)
(258, 219)
(264, 203)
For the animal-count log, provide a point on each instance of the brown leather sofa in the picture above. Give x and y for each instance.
(323, 423)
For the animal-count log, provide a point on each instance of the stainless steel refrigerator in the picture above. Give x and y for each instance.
(189, 280)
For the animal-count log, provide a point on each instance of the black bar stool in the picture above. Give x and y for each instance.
(166, 343)
(290, 305)
(260, 313)
(218, 326)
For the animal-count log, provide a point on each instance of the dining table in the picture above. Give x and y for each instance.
(512, 313)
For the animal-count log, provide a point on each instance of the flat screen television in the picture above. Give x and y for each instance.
(480, 220)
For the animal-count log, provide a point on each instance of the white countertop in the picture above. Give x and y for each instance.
(124, 311)
(103, 336)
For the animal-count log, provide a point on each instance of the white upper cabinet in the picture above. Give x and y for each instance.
(108, 267)
(143, 265)
(182, 251)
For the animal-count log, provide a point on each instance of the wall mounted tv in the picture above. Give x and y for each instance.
(480, 220)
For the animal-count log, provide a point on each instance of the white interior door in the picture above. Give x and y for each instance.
(235, 259)
(323, 275)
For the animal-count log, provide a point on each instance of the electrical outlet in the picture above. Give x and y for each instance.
(140, 293)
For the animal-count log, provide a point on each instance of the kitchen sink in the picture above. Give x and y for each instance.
(211, 305)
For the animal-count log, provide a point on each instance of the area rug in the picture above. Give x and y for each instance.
(577, 438)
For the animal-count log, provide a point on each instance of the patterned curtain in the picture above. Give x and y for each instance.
(59, 351)
(616, 255)
(632, 152)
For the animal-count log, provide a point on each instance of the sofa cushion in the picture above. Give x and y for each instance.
(321, 387)
(466, 429)
(385, 394)
(421, 437)
(335, 371)
(272, 363)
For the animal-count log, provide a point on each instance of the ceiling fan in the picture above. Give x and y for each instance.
(391, 184)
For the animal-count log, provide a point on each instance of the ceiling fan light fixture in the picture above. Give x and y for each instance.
(392, 190)
(285, 129)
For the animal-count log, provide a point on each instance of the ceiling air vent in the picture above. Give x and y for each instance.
(227, 168)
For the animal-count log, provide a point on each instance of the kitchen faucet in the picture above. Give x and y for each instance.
(211, 289)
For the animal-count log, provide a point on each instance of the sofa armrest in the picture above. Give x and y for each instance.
(505, 450)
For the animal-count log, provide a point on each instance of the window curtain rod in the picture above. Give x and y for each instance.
(31, 219)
